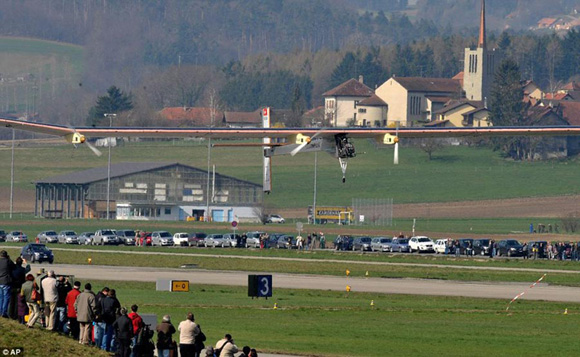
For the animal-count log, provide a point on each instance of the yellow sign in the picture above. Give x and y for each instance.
(180, 285)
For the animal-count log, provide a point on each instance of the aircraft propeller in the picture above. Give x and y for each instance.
(306, 142)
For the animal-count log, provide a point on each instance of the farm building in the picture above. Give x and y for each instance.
(148, 191)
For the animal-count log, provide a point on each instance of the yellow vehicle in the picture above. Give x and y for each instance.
(331, 214)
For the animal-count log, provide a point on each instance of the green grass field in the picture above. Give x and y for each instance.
(326, 323)
(466, 226)
(52, 65)
(455, 173)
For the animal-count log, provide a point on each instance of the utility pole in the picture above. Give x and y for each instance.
(12, 176)
(315, 177)
(110, 116)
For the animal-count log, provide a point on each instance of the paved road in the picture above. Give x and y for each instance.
(379, 285)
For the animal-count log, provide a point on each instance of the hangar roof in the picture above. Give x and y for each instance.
(117, 170)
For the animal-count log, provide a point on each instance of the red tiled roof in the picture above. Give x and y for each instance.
(459, 103)
(314, 111)
(438, 99)
(350, 88)
(433, 85)
(459, 76)
(571, 86)
(373, 101)
(557, 96)
(476, 110)
(546, 22)
(436, 123)
(254, 117)
(571, 112)
(192, 115)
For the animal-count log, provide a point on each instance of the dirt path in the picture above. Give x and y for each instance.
(549, 207)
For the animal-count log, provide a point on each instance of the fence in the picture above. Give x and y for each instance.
(373, 211)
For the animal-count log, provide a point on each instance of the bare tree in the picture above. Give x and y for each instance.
(430, 145)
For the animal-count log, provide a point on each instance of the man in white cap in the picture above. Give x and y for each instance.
(50, 294)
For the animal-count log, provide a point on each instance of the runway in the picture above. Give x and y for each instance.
(493, 290)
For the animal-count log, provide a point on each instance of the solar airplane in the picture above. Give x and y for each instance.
(334, 140)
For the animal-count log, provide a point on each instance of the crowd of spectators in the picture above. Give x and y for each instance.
(51, 302)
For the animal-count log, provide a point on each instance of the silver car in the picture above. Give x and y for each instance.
(105, 236)
(231, 240)
(382, 244)
(253, 239)
(400, 245)
(162, 238)
(215, 240)
(86, 237)
(68, 237)
(16, 236)
(47, 237)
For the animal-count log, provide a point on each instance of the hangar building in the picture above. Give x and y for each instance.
(148, 191)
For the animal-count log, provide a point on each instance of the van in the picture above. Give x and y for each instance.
(441, 246)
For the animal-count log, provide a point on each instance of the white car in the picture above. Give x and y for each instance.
(421, 244)
(275, 218)
(181, 239)
(440, 246)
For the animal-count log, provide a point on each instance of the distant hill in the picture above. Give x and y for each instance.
(34, 71)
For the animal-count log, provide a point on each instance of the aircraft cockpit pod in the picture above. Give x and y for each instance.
(344, 147)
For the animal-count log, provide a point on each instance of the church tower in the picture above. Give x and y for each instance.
(480, 65)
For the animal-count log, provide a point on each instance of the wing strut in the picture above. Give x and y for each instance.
(343, 164)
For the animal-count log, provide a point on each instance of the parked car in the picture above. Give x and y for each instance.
(2, 235)
(126, 236)
(215, 240)
(231, 239)
(400, 245)
(181, 239)
(465, 246)
(286, 242)
(272, 240)
(361, 243)
(421, 244)
(343, 242)
(47, 237)
(253, 239)
(36, 253)
(162, 238)
(197, 239)
(381, 244)
(440, 246)
(16, 236)
(86, 237)
(510, 247)
(145, 239)
(105, 236)
(482, 246)
(275, 218)
(68, 237)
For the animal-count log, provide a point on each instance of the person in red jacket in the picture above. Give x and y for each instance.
(137, 325)
(71, 313)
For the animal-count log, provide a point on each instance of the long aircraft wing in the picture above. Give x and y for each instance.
(243, 133)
